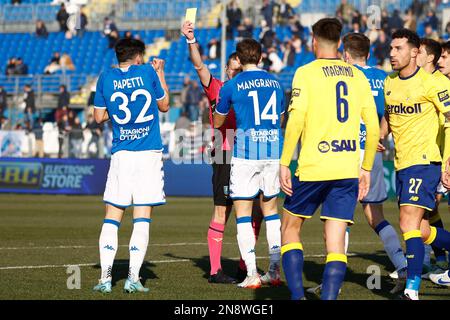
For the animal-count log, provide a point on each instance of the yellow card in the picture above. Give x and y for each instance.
(191, 14)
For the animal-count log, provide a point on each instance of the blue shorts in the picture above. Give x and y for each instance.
(337, 197)
(416, 185)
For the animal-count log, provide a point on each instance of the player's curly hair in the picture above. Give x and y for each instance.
(128, 49)
(412, 37)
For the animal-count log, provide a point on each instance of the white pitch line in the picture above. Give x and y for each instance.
(126, 263)
(180, 244)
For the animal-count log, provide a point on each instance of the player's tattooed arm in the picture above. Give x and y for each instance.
(194, 52)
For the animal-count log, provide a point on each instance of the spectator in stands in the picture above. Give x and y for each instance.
(430, 33)
(245, 30)
(38, 131)
(3, 101)
(60, 112)
(288, 54)
(76, 139)
(214, 49)
(193, 97)
(183, 94)
(30, 116)
(83, 23)
(356, 28)
(410, 20)
(417, 7)
(277, 64)
(28, 98)
(16, 2)
(381, 48)
(395, 22)
(431, 20)
(64, 97)
(296, 44)
(446, 34)
(267, 37)
(234, 16)
(345, 10)
(63, 131)
(56, 57)
(62, 16)
(267, 11)
(111, 32)
(41, 29)
(66, 63)
(11, 67)
(385, 21)
(297, 28)
(4, 124)
(94, 128)
(21, 67)
(285, 12)
(183, 122)
(128, 35)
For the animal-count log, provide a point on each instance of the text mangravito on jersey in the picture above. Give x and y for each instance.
(133, 134)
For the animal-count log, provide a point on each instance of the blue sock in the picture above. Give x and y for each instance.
(333, 276)
(415, 251)
(439, 253)
(292, 260)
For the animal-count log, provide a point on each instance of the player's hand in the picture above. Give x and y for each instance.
(285, 180)
(381, 147)
(158, 64)
(188, 30)
(364, 184)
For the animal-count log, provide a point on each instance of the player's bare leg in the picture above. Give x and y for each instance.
(269, 208)
(246, 241)
(108, 245)
(292, 254)
(336, 263)
(138, 247)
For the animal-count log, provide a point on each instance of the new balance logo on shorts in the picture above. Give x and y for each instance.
(414, 198)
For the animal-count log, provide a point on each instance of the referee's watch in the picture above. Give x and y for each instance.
(191, 41)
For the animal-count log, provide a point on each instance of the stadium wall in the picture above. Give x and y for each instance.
(88, 177)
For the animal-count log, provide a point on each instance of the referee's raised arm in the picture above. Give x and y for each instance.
(194, 53)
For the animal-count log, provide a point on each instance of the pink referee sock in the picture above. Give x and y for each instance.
(215, 237)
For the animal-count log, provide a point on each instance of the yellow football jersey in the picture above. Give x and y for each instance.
(412, 106)
(329, 98)
(441, 135)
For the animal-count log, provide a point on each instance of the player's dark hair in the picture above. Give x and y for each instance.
(446, 47)
(412, 37)
(357, 44)
(432, 47)
(128, 49)
(328, 29)
(232, 56)
(249, 51)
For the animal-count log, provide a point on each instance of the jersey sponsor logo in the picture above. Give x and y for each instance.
(133, 134)
(296, 92)
(402, 109)
(344, 145)
(443, 96)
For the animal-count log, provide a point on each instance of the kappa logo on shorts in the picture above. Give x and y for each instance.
(443, 96)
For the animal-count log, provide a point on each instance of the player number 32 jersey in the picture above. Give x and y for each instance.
(130, 97)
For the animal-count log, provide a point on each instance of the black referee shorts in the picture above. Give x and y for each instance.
(221, 179)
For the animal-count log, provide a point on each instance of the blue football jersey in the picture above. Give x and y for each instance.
(376, 79)
(130, 99)
(257, 98)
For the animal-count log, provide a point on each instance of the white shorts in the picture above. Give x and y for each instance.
(250, 177)
(377, 192)
(135, 178)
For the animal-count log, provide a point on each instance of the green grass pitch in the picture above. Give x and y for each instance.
(41, 235)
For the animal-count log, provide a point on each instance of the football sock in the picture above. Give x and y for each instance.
(215, 237)
(138, 246)
(273, 230)
(257, 219)
(333, 276)
(108, 247)
(391, 244)
(292, 260)
(439, 238)
(439, 253)
(246, 242)
(414, 255)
